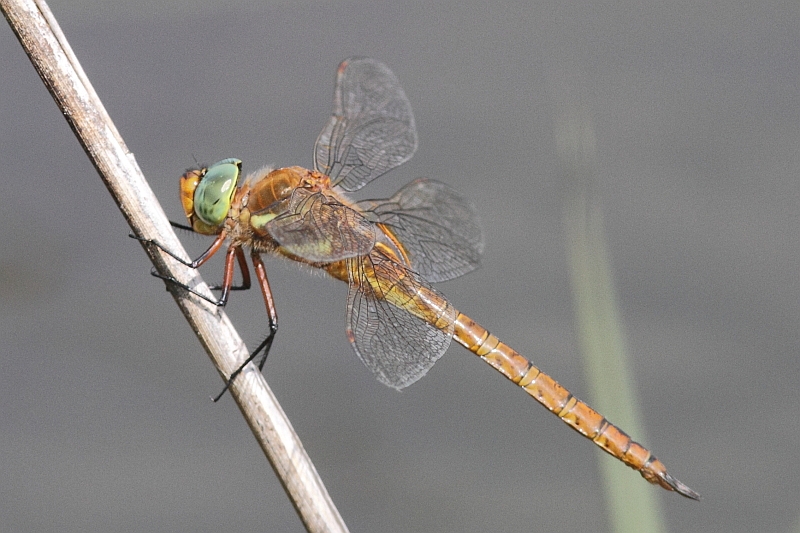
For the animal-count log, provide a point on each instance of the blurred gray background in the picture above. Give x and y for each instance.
(105, 417)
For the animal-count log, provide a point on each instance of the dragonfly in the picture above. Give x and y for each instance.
(388, 251)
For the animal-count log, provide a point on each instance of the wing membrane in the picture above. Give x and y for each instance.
(399, 325)
(436, 226)
(372, 127)
(319, 228)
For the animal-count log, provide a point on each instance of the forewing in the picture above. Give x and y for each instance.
(399, 325)
(319, 228)
(372, 127)
(436, 226)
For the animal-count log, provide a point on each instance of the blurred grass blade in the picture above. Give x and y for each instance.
(633, 506)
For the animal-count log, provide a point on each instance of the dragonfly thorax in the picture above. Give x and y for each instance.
(275, 187)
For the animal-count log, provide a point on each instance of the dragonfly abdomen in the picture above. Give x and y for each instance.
(575, 413)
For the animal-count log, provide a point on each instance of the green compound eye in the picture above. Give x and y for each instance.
(214, 193)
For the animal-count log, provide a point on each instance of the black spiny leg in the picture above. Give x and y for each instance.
(234, 253)
(202, 259)
(272, 315)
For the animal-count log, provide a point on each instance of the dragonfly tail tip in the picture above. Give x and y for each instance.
(680, 488)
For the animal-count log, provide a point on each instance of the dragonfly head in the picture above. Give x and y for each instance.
(207, 193)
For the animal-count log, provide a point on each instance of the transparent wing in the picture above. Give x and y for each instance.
(399, 325)
(436, 226)
(321, 229)
(372, 128)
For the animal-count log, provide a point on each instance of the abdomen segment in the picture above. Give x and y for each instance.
(575, 413)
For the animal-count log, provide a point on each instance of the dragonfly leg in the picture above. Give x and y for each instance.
(181, 226)
(227, 275)
(245, 274)
(200, 261)
(227, 284)
(266, 344)
(170, 279)
(239, 254)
